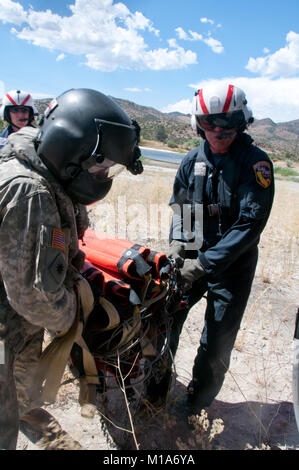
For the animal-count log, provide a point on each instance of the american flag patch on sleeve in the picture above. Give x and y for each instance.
(58, 239)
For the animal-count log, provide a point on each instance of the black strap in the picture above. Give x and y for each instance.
(296, 334)
(200, 179)
(131, 253)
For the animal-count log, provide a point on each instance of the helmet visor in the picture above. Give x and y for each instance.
(106, 169)
(19, 109)
(118, 142)
(233, 120)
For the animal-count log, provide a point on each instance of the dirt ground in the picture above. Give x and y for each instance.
(255, 402)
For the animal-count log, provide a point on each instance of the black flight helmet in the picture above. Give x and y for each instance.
(86, 139)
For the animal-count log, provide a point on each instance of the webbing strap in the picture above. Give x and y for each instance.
(200, 174)
(132, 253)
(53, 360)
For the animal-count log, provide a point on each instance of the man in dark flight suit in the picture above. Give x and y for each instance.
(231, 180)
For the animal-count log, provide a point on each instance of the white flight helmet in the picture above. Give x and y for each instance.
(221, 101)
(17, 98)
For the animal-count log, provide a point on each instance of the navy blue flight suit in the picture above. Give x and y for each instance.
(4, 135)
(236, 191)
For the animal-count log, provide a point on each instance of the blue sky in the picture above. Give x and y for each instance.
(154, 52)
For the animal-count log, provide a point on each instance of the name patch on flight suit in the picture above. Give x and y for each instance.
(200, 169)
(263, 173)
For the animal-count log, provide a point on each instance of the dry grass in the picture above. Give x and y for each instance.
(203, 433)
(262, 359)
(137, 208)
(280, 240)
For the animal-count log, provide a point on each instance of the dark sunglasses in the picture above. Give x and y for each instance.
(17, 109)
(233, 120)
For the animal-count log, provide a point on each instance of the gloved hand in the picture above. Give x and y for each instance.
(177, 252)
(190, 272)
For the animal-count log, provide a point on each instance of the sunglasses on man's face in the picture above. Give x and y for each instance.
(224, 120)
(19, 109)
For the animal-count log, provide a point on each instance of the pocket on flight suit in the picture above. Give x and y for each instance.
(51, 262)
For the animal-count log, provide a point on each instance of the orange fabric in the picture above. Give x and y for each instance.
(105, 252)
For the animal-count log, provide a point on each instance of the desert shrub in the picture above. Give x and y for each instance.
(289, 156)
(203, 432)
(191, 143)
(172, 145)
(285, 171)
(161, 133)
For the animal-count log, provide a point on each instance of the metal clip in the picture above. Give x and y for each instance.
(213, 209)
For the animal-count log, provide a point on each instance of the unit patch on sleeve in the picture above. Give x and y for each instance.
(263, 173)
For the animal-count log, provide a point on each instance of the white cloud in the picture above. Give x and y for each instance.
(213, 43)
(277, 99)
(137, 90)
(206, 20)
(194, 36)
(266, 50)
(60, 57)
(181, 33)
(183, 106)
(139, 21)
(134, 90)
(106, 33)
(284, 62)
(12, 12)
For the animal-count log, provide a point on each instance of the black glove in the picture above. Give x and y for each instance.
(190, 272)
(177, 252)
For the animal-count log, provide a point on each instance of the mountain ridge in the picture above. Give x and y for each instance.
(174, 128)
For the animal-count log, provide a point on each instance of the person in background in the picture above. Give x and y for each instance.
(227, 185)
(18, 110)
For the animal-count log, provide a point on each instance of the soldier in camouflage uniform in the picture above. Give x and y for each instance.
(47, 176)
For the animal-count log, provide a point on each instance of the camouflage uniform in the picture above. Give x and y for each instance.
(38, 255)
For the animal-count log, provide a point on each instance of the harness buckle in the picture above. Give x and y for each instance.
(214, 209)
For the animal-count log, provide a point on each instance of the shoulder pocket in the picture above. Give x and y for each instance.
(51, 262)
